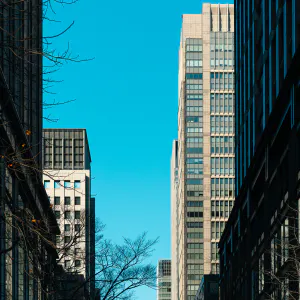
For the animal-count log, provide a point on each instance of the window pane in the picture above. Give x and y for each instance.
(77, 184)
(56, 184)
(67, 184)
(77, 200)
(57, 200)
(47, 184)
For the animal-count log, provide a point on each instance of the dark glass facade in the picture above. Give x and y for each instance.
(27, 222)
(256, 246)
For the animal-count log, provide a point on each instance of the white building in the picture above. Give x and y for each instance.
(67, 180)
(164, 279)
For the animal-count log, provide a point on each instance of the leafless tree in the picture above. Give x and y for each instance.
(278, 273)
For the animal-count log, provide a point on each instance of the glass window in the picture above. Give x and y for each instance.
(77, 263)
(47, 184)
(57, 214)
(56, 184)
(77, 251)
(77, 227)
(194, 181)
(67, 227)
(67, 184)
(67, 263)
(77, 184)
(77, 200)
(194, 150)
(67, 215)
(56, 200)
(77, 214)
(67, 200)
(67, 239)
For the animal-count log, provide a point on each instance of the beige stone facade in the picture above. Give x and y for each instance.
(202, 196)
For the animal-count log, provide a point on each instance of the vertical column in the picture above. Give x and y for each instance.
(206, 25)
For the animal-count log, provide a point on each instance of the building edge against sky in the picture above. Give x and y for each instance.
(164, 279)
(202, 196)
(67, 180)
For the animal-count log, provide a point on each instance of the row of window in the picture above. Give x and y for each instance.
(193, 75)
(222, 81)
(195, 160)
(194, 48)
(221, 47)
(194, 193)
(194, 150)
(217, 229)
(195, 214)
(194, 224)
(193, 171)
(67, 201)
(195, 203)
(222, 75)
(214, 251)
(195, 246)
(194, 86)
(194, 140)
(58, 184)
(222, 165)
(222, 144)
(222, 124)
(221, 62)
(194, 181)
(195, 267)
(194, 129)
(194, 119)
(67, 214)
(221, 208)
(195, 235)
(194, 108)
(194, 62)
(222, 187)
(221, 103)
(194, 97)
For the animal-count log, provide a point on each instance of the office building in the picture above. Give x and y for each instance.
(209, 288)
(164, 279)
(174, 218)
(27, 223)
(258, 246)
(205, 154)
(67, 180)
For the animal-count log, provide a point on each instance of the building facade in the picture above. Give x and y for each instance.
(174, 219)
(259, 247)
(209, 288)
(27, 222)
(164, 285)
(67, 180)
(205, 154)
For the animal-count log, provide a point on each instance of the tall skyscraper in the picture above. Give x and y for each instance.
(27, 223)
(164, 279)
(260, 245)
(205, 144)
(67, 180)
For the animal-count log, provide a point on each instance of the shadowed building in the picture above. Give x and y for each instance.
(259, 247)
(27, 223)
(209, 288)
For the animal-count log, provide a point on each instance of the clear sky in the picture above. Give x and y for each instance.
(126, 98)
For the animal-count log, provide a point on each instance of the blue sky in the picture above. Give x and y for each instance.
(126, 98)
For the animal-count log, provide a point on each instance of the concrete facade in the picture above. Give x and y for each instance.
(205, 145)
(67, 180)
(164, 279)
